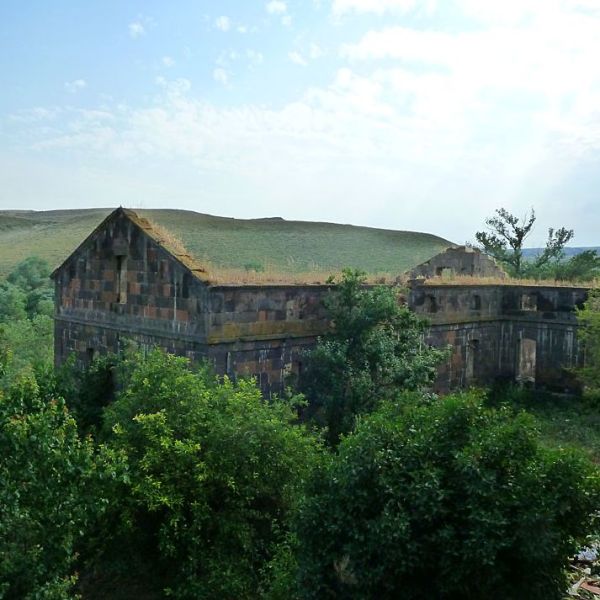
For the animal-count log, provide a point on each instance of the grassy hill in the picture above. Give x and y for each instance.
(276, 245)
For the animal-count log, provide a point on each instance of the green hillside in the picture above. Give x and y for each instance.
(274, 244)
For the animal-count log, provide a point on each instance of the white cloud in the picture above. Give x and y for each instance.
(220, 75)
(276, 7)
(223, 23)
(297, 58)
(505, 110)
(315, 51)
(167, 61)
(75, 86)
(136, 30)
(378, 7)
(242, 29)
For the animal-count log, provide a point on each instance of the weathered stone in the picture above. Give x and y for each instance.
(148, 295)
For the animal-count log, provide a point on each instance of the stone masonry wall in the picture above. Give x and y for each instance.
(123, 284)
(511, 332)
(460, 260)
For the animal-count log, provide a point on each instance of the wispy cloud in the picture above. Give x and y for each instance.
(220, 75)
(276, 7)
(136, 30)
(75, 86)
(297, 58)
(223, 23)
(167, 61)
(279, 8)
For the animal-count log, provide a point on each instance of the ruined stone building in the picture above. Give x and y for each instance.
(127, 281)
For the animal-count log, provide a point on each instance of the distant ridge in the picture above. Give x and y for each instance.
(569, 252)
(269, 243)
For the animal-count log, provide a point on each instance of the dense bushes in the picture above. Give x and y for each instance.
(213, 472)
(444, 500)
(373, 350)
(47, 496)
(164, 479)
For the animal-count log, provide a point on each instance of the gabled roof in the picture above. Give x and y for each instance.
(154, 232)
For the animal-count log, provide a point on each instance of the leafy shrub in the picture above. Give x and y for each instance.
(444, 500)
(46, 499)
(214, 471)
(374, 349)
(26, 345)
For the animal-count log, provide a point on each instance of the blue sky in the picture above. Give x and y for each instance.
(405, 114)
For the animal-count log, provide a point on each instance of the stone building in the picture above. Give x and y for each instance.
(459, 261)
(128, 280)
(511, 332)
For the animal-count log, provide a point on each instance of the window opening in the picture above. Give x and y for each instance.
(121, 279)
(529, 302)
(431, 304)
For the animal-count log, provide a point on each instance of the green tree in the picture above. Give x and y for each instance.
(584, 266)
(46, 497)
(13, 302)
(588, 319)
(214, 471)
(374, 349)
(507, 233)
(32, 276)
(26, 345)
(445, 499)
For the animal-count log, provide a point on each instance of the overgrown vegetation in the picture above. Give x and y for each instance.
(444, 499)
(373, 350)
(143, 476)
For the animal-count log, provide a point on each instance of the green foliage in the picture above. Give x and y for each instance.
(87, 390)
(588, 318)
(12, 303)
(562, 420)
(26, 345)
(32, 276)
(444, 500)
(213, 473)
(374, 349)
(584, 266)
(506, 235)
(46, 496)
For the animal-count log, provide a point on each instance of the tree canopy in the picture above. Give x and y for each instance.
(444, 499)
(507, 233)
(375, 348)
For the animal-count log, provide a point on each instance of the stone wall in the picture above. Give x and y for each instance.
(461, 261)
(122, 281)
(510, 332)
(123, 284)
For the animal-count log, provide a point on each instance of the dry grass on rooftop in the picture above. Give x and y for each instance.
(272, 276)
(478, 281)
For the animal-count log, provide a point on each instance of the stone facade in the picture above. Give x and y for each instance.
(458, 261)
(509, 332)
(125, 282)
